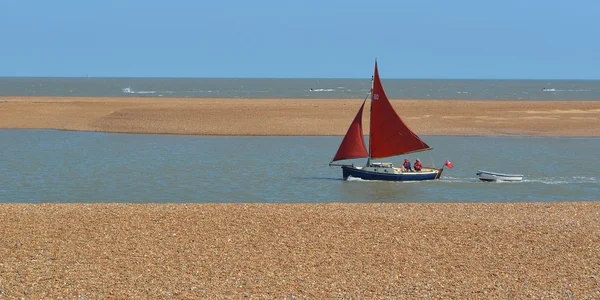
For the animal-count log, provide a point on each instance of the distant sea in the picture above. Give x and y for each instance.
(448, 89)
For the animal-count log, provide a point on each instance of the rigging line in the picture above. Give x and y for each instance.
(431, 159)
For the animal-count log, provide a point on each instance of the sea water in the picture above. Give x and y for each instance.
(301, 88)
(47, 166)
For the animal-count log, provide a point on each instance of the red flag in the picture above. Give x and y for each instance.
(449, 164)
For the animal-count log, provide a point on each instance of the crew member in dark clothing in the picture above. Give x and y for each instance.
(406, 165)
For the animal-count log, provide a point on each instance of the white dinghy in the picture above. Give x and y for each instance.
(493, 176)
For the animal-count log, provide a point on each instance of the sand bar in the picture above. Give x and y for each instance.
(257, 251)
(297, 116)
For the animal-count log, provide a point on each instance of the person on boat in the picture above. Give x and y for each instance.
(406, 165)
(418, 165)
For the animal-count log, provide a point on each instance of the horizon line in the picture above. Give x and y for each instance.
(296, 78)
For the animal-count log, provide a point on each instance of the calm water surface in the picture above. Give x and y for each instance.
(57, 167)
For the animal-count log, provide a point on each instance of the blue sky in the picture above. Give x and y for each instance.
(522, 39)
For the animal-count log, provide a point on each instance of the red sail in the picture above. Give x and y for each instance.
(389, 135)
(353, 144)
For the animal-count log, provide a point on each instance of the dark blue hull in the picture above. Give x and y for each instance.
(367, 175)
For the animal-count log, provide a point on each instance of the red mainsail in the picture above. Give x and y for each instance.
(389, 136)
(353, 144)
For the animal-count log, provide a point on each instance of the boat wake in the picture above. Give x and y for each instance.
(189, 93)
(529, 179)
(450, 179)
(563, 180)
(322, 90)
(129, 90)
(350, 178)
(562, 90)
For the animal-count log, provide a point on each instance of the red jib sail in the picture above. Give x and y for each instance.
(389, 136)
(353, 144)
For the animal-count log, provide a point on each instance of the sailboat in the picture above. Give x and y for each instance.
(389, 136)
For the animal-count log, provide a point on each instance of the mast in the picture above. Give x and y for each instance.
(370, 108)
(370, 115)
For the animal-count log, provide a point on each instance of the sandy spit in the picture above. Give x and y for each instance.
(300, 251)
(314, 117)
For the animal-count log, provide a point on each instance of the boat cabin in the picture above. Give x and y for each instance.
(381, 165)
